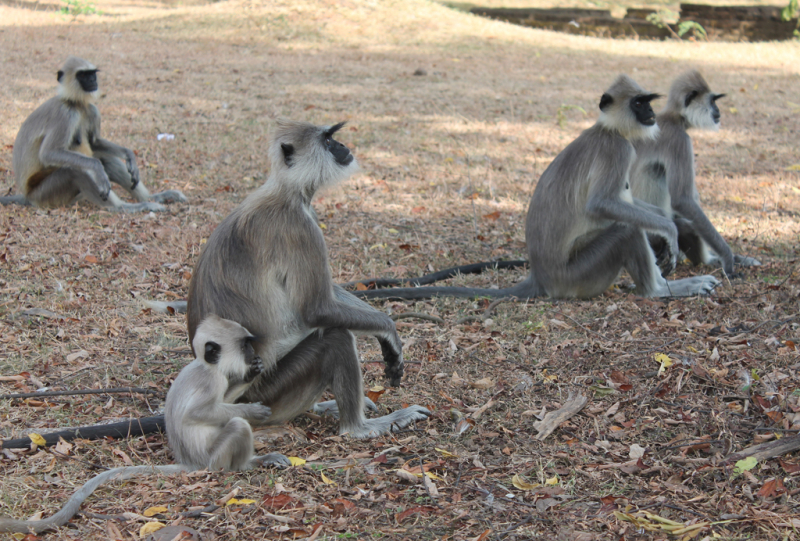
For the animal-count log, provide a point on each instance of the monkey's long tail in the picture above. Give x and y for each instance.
(15, 200)
(472, 268)
(123, 429)
(74, 503)
(527, 289)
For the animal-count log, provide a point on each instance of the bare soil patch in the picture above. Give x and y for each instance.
(449, 159)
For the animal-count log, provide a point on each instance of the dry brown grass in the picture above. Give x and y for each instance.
(484, 120)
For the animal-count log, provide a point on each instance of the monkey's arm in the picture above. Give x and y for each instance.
(685, 201)
(74, 503)
(99, 144)
(690, 210)
(649, 208)
(219, 413)
(392, 354)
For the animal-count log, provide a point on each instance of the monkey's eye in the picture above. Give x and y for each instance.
(637, 103)
(328, 141)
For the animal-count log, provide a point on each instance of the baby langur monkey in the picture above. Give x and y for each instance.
(60, 158)
(204, 429)
(266, 267)
(583, 224)
(664, 172)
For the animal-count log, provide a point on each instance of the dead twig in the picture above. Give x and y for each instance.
(418, 315)
(78, 392)
(551, 420)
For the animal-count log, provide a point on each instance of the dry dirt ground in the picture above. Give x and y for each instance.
(449, 160)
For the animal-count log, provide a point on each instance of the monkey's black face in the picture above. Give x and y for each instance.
(87, 79)
(714, 109)
(640, 106)
(340, 152)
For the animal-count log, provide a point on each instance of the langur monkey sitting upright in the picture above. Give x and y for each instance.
(663, 173)
(204, 428)
(266, 267)
(59, 157)
(583, 225)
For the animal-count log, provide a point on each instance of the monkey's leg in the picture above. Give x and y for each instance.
(329, 407)
(590, 270)
(324, 361)
(697, 250)
(233, 447)
(118, 173)
(640, 263)
(691, 244)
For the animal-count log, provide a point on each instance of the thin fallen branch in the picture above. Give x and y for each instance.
(486, 313)
(764, 451)
(199, 512)
(551, 420)
(77, 392)
(418, 315)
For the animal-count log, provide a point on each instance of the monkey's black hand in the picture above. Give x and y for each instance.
(256, 368)
(665, 259)
(393, 357)
(133, 169)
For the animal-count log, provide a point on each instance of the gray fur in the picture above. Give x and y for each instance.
(60, 158)
(664, 173)
(583, 225)
(204, 429)
(266, 267)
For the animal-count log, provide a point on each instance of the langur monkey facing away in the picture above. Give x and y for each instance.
(266, 267)
(583, 225)
(663, 173)
(59, 157)
(204, 429)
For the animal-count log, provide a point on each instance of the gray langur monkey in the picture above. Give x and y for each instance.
(583, 224)
(204, 429)
(60, 158)
(266, 267)
(664, 172)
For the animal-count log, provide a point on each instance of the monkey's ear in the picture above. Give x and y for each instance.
(689, 97)
(605, 101)
(288, 152)
(211, 355)
(59, 75)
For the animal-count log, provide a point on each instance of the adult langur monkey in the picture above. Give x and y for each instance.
(60, 158)
(583, 225)
(663, 172)
(205, 429)
(266, 267)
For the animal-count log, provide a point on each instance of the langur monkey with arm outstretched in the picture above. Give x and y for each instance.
(664, 172)
(266, 267)
(584, 225)
(60, 158)
(204, 428)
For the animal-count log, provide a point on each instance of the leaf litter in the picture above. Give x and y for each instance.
(449, 161)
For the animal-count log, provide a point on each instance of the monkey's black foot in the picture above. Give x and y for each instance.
(168, 196)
